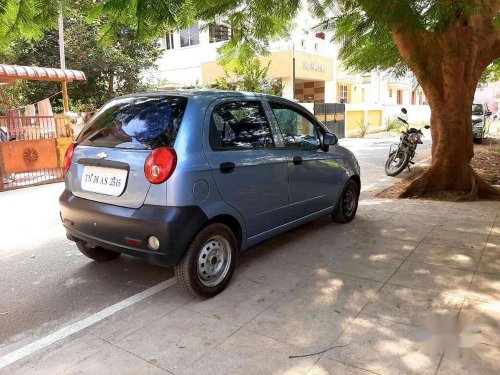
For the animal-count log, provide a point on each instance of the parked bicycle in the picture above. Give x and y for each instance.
(402, 154)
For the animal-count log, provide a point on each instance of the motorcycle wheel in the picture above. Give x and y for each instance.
(396, 163)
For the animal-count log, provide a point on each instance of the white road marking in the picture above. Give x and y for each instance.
(82, 324)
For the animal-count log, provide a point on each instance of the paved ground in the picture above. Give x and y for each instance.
(362, 286)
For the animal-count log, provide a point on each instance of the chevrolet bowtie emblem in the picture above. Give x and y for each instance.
(102, 155)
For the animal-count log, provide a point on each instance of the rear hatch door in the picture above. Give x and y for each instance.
(108, 163)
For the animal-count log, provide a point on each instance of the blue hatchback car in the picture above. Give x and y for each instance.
(192, 178)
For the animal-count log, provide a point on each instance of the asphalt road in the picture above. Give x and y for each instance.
(45, 283)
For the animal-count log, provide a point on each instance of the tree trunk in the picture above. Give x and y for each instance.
(448, 66)
(452, 142)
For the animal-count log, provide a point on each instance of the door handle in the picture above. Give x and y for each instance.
(227, 167)
(297, 160)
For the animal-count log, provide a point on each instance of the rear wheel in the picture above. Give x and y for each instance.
(478, 140)
(209, 262)
(396, 163)
(348, 203)
(97, 253)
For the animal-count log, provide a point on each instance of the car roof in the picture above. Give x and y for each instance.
(207, 94)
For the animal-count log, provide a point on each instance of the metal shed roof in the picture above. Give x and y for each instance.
(10, 73)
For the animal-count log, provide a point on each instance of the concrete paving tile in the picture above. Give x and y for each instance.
(495, 230)
(487, 316)
(482, 360)
(473, 212)
(381, 205)
(58, 357)
(383, 247)
(309, 251)
(482, 205)
(356, 263)
(346, 293)
(493, 243)
(456, 239)
(249, 353)
(454, 257)
(432, 278)
(426, 208)
(111, 360)
(410, 306)
(383, 347)
(304, 323)
(137, 316)
(271, 271)
(485, 287)
(328, 366)
(240, 302)
(468, 226)
(374, 215)
(177, 339)
(490, 261)
(413, 221)
(399, 232)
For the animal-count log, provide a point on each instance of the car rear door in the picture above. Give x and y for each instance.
(250, 175)
(314, 175)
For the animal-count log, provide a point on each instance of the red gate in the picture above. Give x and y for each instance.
(32, 149)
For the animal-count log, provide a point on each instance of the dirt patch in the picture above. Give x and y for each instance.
(486, 163)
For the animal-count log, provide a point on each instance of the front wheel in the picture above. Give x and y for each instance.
(209, 262)
(348, 203)
(396, 163)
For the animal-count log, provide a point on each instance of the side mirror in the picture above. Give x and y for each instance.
(488, 113)
(404, 110)
(329, 139)
(427, 126)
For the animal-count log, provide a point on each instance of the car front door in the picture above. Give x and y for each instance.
(314, 175)
(250, 175)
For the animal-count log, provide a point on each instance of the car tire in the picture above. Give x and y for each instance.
(348, 203)
(209, 262)
(478, 140)
(97, 253)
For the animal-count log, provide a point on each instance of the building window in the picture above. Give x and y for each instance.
(303, 43)
(218, 33)
(169, 40)
(343, 94)
(191, 36)
(400, 97)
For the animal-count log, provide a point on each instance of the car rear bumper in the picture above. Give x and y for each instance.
(109, 226)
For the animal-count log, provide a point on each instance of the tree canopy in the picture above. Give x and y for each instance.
(366, 27)
(111, 70)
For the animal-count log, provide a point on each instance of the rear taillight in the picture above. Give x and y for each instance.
(160, 165)
(68, 157)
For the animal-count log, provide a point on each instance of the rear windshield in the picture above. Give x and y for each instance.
(139, 122)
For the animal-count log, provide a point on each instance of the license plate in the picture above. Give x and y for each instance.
(108, 181)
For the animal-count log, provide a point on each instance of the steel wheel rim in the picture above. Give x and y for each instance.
(396, 161)
(349, 201)
(214, 261)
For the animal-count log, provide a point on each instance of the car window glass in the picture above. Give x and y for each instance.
(138, 122)
(297, 130)
(240, 125)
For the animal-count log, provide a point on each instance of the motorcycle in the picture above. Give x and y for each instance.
(402, 154)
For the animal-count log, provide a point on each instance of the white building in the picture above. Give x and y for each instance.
(190, 59)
